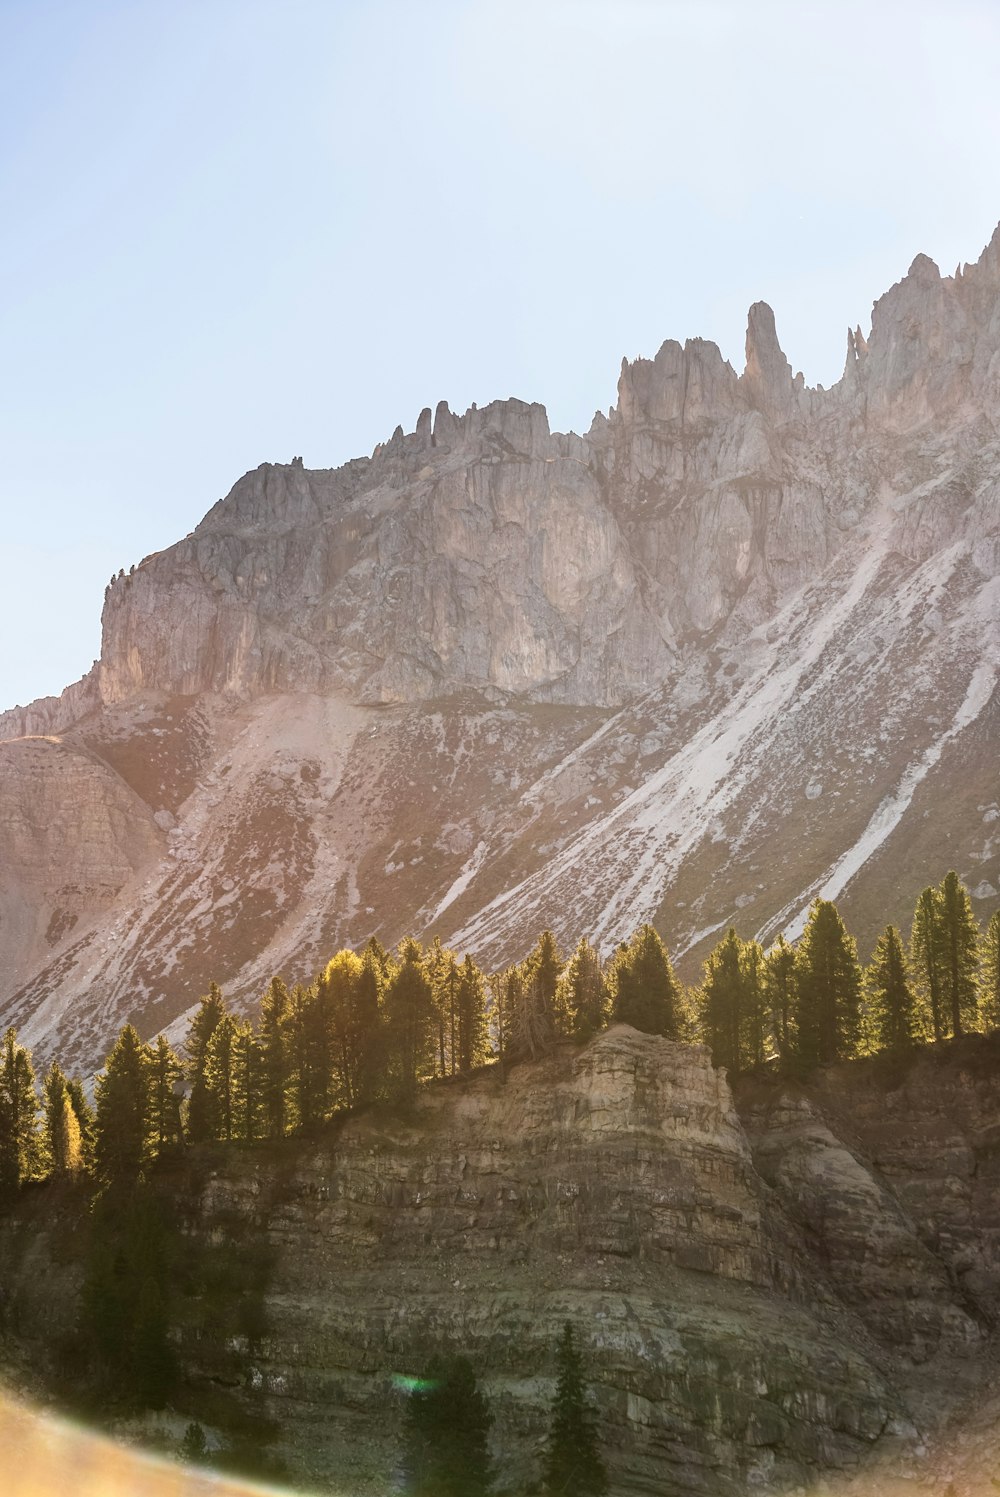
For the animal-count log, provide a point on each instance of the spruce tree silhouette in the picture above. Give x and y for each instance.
(573, 1464)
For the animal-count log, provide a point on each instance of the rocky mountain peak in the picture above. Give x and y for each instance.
(767, 378)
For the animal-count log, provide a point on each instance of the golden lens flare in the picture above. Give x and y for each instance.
(44, 1455)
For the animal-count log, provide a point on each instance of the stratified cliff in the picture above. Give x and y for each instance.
(736, 645)
(804, 1284)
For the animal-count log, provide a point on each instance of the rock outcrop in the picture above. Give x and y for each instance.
(797, 1285)
(736, 645)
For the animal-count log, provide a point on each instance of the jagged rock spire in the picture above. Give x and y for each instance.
(767, 378)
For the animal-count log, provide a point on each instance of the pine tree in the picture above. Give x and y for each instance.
(573, 1464)
(508, 1000)
(275, 1069)
(368, 1033)
(722, 1003)
(828, 984)
(989, 975)
(194, 1446)
(542, 969)
(381, 960)
(338, 984)
(891, 1003)
(165, 1075)
(307, 1051)
(84, 1114)
(201, 1124)
(54, 1093)
(927, 958)
(754, 1031)
(121, 1129)
(960, 951)
(20, 1144)
(472, 1038)
(319, 1037)
(411, 1024)
(442, 973)
(645, 992)
(446, 1434)
(63, 1138)
(533, 1028)
(582, 1000)
(67, 1148)
(221, 1078)
(780, 997)
(248, 1075)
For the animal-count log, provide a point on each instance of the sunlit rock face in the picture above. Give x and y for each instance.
(736, 645)
(485, 551)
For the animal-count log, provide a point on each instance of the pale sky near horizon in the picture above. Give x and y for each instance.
(232, 231)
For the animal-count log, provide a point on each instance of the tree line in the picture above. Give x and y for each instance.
(374, 1025)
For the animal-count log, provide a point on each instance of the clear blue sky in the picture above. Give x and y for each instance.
(232, 231)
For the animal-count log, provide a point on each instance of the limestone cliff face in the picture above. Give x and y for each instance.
(794, 1286)
(737, 645)
(484, 551)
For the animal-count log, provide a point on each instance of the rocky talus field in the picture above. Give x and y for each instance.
(798, 1282)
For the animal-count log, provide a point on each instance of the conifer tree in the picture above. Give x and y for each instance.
(442, 972)
(307, 1050)
(411, 1028)
(19, 1138)
(122, 1123)
(380, 958)
(530, 1018)
(532, 1026)
(828, 984)
(201, 1124)
(338, 985)
(989, 975)
(472, 1038)
(275, 1070)
(542, 970)
(754, 1032)
(248, 1074)
(320, 1039)
(446, 1434)
(67, 1143)
(165, 1075)
(351, 986)
(84, 1114)
(780, 997)
(508, 999)
(926, 958)
(53, 1093)
(368, 1032)
(582, 1000)
(573, 1464)
(63, 1138)
(221, 1082)
(960, 954)
(645, 992)
(722, 1003)
(891, 1003)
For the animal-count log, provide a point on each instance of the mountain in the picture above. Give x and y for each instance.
(735, 646)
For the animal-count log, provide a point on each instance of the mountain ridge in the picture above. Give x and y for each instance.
(736, 645)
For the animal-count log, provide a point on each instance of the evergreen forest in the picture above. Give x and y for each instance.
(376, 1025)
